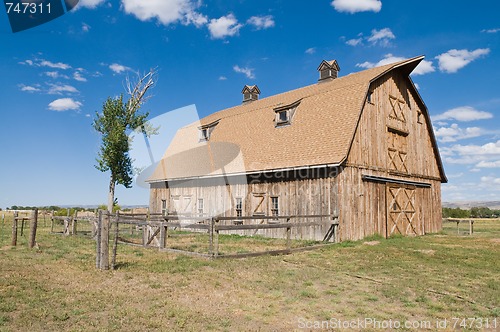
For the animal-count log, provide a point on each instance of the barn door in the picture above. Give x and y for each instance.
(402, 217)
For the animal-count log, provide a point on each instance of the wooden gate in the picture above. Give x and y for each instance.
(402, 216)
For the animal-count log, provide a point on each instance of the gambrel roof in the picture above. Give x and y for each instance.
(246, 139)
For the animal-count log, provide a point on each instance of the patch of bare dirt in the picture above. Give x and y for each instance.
(371, 243)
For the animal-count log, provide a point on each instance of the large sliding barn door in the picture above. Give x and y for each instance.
(402, 216)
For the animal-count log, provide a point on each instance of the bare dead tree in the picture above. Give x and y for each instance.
(138, 88)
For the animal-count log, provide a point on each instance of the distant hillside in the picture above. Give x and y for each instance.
(494, 205)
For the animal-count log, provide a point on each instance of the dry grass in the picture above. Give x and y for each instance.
(426, 278)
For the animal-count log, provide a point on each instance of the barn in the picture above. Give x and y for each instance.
(359, 148)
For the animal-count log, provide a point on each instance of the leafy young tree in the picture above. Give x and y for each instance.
(118, 118)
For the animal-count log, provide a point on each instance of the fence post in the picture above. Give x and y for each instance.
(211, 237)
(73, 223)
(14, 229)
(471, 226)
(115, 242)
(22, 226)
(1, 230)
(33, 226)
(66, 224)
(216, 239)
(163, 235)
(52, 222)
(104, 263)
(145, 230)
(288, 235)
(98, 240)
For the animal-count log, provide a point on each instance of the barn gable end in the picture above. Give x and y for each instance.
(393, 186)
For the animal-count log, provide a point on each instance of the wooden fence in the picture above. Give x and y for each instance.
(156, 229)
(33, 222)
(459, 220)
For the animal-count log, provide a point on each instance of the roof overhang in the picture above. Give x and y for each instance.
(258, 172)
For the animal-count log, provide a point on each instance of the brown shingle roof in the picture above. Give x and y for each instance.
(246, 139)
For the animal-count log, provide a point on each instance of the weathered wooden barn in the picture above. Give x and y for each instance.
(360, 147)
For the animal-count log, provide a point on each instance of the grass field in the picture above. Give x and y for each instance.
(436, 277)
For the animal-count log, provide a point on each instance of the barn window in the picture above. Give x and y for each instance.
(204, 134)
(200, 206)
(283, 117)
(419, 117)
(369, 98)
(274, 206)
(164, 207)
(284, 114)
(239, 207)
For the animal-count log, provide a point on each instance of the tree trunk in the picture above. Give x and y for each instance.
(111, 194)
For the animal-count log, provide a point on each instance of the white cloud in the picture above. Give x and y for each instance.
(490, 180)
(91, 4)
(261, 22)
(244, 70)
(423, 67)
(355, 42)
(381, 37)
(310, 50)
(354, 6)
(64, 104)
(454, 60)
(222, 78)
(489, 164)
(85, 27)
(77, 76)
(55, 75)
(27, 62)
(117, 68)
(464, 114)
(58, 89)
(454, 133)
(166, 11)
(87, 115)
(488, 149)
(224, 26)
(28, 88)
(491, 30)
(195, 18)
(58, 65)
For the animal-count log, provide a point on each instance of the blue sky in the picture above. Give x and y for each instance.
(54, 78)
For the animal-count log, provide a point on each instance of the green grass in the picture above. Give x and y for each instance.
(57, 288)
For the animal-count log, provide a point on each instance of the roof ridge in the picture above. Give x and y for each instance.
(330, 84)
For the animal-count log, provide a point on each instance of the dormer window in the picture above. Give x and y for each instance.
(204, 134)
(284, 114)
(206, 131)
